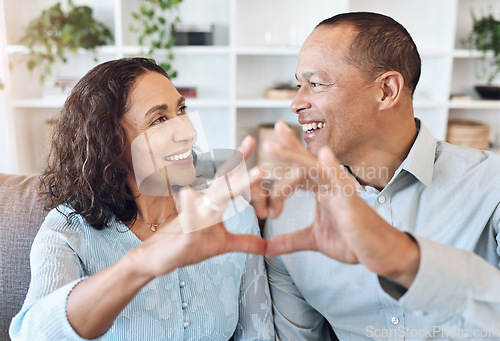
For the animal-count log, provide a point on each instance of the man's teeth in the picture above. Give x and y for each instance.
(179, 156)
(309, 127)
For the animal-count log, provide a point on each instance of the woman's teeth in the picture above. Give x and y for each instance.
(309, 127)
(178, 156)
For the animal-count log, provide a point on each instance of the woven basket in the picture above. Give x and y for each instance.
(280, 93)
(468, 134)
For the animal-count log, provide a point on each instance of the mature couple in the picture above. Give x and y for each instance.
(410, 252)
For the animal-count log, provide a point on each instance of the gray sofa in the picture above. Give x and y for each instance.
(21, 214)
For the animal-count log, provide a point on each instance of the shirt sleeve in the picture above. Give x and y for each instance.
(55, 270)
(255, 313)
(452, 284)
(294, 318)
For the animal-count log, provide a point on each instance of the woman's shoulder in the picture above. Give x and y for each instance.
(64, 219)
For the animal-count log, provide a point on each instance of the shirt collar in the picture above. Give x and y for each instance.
(420, 159)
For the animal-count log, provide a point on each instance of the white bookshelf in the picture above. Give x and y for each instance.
(256, 46)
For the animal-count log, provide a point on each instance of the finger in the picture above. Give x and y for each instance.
(294, 155)
(259, 201)
(259, 192)
(225, 188)
(235, 163)
(268, 195)
(290, 242)
(286, 135)
(193, 214)
(283, 189)
(247, 146)
(337, 175)
(245, 243)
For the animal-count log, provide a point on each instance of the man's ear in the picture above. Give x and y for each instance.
(391, 84)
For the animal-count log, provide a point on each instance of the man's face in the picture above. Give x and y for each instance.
(334, 96)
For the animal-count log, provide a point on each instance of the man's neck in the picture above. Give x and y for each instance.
(378, 165)
(375, 174)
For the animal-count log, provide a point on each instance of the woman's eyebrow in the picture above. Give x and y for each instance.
(155, 109)
(163, 107)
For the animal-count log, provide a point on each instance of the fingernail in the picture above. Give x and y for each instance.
(254, 172)
(283, 123)
(246, 140)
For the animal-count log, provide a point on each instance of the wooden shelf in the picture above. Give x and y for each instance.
(474, 104)
(58, 102)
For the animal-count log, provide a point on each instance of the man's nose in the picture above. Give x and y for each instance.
(300, 101)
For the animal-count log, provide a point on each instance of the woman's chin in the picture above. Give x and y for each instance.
(184, 179)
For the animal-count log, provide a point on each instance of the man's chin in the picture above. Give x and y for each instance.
(313, 148)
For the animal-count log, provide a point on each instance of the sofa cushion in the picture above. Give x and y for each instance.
(21, 215)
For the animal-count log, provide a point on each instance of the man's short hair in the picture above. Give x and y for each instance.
(380, 45)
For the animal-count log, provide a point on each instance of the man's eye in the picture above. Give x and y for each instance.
(315, 84)
(182, 111)
(159, 120)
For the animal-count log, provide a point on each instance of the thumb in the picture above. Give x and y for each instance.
(247, 146)
(290, 242)
(247, 243)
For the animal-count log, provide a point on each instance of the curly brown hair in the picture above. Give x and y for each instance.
(85, 168)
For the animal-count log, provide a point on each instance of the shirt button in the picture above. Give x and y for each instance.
(182, 284)
(419, 313)
(381, 199)
(186, 324)
(184, 305)
(394, 320)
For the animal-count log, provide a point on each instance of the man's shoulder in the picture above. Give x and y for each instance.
(463, 160)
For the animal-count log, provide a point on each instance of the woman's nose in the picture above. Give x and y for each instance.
(300, 101)
(184, 130)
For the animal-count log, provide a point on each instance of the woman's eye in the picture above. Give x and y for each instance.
(159, 120)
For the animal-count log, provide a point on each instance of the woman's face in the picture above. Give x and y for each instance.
(159, 136)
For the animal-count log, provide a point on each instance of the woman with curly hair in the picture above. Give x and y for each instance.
(113, 259)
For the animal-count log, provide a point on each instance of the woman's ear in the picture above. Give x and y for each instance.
(391, 84)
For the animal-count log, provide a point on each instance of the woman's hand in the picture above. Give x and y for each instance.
(198, 232)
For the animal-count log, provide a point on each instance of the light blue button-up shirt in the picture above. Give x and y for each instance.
(447, 197)
(224, 296)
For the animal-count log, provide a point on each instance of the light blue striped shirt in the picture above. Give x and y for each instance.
(211, 300)
(444, 196)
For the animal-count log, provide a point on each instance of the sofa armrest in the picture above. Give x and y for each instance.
(21, 215)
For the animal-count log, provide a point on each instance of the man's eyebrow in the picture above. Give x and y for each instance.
(181, 100)
(306, 75)
(155, 109)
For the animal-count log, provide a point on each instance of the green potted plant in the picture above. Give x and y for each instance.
(55, 32)
(152, 25)
(485, 37)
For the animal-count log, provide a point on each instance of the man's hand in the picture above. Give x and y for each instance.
(345, 227)
(268, 195)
